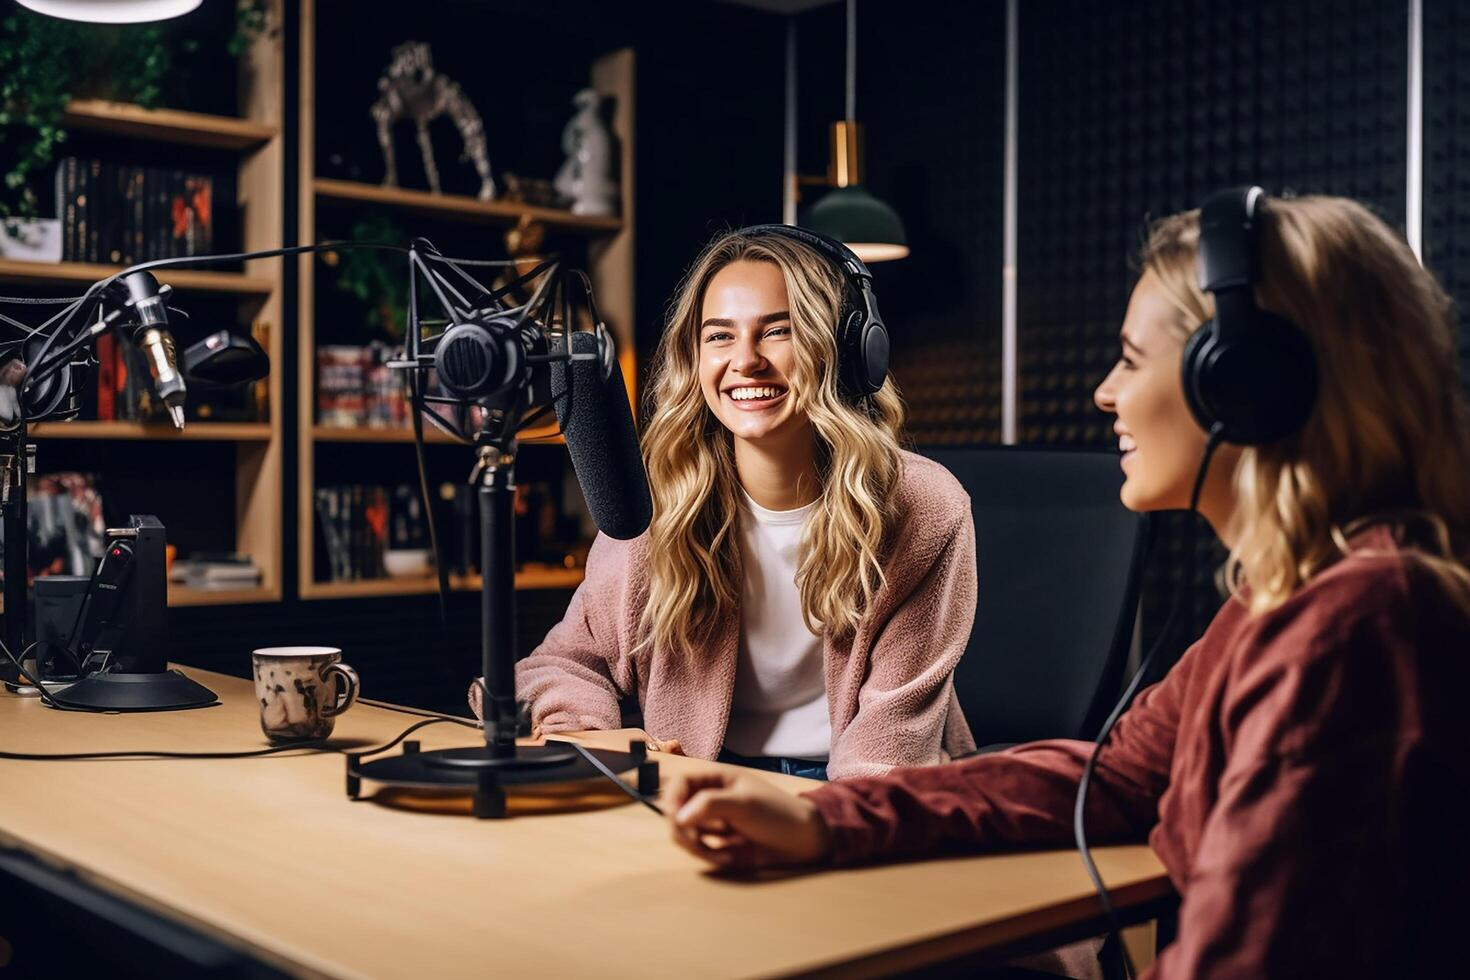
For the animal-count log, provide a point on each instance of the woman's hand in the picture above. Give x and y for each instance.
(738, 821)
(669, 746)
(477, 698)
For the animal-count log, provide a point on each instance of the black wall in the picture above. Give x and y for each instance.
(1447, 155)
(1137, 110)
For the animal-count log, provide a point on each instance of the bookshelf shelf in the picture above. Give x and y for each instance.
(327, 433)
(167, 125)
(154, 431)
(528, 578)
(201, 280)
(456, 207)
(182, 595)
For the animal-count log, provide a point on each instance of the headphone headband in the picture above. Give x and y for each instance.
(862, 340)
(840, 255)
(1229, 233)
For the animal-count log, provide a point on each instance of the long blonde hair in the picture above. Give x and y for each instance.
(1387, 438)
(694, 552)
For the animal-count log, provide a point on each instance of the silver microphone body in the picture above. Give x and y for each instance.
(157, 344)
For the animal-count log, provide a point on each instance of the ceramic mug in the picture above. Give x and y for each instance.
(301, 691)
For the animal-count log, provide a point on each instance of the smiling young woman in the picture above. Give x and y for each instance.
(1301, 771)
(806, 587)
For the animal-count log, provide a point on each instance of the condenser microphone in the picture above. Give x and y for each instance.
(153, 338)
(592, 407)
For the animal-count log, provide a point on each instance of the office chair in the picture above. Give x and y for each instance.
(1060, 562)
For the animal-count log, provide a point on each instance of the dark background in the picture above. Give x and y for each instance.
(1128, 110)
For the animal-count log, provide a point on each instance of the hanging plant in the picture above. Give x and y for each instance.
(45, 62)
(375, 277)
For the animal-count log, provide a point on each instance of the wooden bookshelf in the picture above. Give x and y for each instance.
(256, 142)
(199, 280)
(156, 431)
(610, 261)
(168, 125)
(457, 207)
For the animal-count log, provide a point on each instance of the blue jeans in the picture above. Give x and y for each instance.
(809, 768)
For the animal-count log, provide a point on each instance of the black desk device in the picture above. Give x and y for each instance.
(123, 641)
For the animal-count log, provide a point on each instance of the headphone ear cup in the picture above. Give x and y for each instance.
(1259, 387)
(862, 354)
(1285, 379)
(47, 398)
(1194, 374)
(875, 356)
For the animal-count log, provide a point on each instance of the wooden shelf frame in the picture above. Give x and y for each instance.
(169, 125)
(458, 207)
(530, 577)
(200, 431)
(611, 259)
(196, 280)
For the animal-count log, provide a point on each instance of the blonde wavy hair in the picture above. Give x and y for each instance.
(694, 553)
(1387, 438)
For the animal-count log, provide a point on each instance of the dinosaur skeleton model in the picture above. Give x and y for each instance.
(412, 89)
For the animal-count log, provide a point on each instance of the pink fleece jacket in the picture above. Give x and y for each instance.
(890, 692)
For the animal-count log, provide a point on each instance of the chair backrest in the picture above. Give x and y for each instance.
(1060, 560)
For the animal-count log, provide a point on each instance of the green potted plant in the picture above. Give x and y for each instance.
(45, 62)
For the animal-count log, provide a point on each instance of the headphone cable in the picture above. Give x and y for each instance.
(1181, 598)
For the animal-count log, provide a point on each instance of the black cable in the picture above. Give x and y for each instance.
(96, 289)
(418, 712)
(612, 777)
(1181, 598)
(416, 405)
(314, 745)
(47, 698)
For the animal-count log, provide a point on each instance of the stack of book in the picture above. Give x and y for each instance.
(122, 214)
(360, 523)
(356, 388)
(124, 391)
(216, 572)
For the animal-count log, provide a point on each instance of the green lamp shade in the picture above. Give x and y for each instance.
(860, 221)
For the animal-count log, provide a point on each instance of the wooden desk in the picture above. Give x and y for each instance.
(269, 854)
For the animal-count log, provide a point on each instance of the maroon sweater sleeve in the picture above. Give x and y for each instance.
(1306, 841)
(1021, 797)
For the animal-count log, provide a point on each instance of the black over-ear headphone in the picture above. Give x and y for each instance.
(1249, 371)
(862, 340)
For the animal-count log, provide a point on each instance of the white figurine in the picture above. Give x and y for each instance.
(587, 177)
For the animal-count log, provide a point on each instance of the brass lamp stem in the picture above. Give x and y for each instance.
(844, 168)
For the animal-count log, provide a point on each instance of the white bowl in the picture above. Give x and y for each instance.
(406, 563)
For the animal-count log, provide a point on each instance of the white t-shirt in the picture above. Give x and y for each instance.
(780, 704)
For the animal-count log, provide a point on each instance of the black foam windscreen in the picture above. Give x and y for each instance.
(592, 407)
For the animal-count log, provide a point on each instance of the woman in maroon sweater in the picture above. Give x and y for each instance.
(1302, 771)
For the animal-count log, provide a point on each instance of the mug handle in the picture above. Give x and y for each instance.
(350, 684)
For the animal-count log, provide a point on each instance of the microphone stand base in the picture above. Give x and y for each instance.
(490, 779)
(167, 690)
